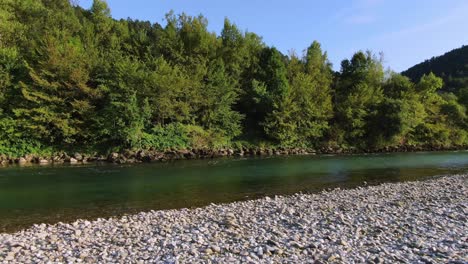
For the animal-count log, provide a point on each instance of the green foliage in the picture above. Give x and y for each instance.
(453, 110)
(14, 143)
(358, 91)
(386, 123)
(268, 88)
(302, 116)
(10, 67)
(202, 138)
(173, 135)
(282, 124)
(398, 86)
(452, 67)
(429, 84)
(172, 93)
(123, 117)
(72, 78)
(463, 96)
(444, 123)
(216, 112)
(179, 136)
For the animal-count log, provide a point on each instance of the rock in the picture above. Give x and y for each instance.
(260, 252)
(147, 158)
(10, 256)
(141, 154)
(215, 248)
(378, 260)
(272, 243)
(129, 154)
(343, 243)
(113, 157)
(78, 156)
(57, 159)
(339, 226)
(72, 160)
(170, 155)
(42, 235)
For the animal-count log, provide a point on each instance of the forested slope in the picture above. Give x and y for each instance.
(75, 79)
(452, 67)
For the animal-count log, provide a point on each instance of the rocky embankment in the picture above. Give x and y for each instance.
(151, 155)
(413, 222)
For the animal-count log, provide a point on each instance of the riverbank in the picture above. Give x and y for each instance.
(403, 222)
(151, 155)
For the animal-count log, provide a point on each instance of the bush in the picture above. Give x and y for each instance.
(164, 137)
(14, 143)
(180, 136)
(24, 147)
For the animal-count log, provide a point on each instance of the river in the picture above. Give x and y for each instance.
(53, 193)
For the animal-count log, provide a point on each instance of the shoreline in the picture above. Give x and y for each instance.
(417, 221)
(149, 156)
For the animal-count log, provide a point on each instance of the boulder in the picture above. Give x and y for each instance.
(170, 155)
(129, 154)
(57, 159)
(78, 156)
(141, 154)
(113, 157)
(239, 153)
(147, 158)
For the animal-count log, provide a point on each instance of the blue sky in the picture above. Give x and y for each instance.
(406, 31)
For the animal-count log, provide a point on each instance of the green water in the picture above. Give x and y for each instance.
(51, 194)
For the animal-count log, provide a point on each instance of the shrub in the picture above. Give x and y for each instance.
(164, 137)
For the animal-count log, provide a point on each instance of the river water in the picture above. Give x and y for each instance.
(38, 194)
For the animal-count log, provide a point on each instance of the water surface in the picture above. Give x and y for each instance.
(38, 194)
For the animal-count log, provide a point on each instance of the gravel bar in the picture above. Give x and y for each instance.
(411, 222)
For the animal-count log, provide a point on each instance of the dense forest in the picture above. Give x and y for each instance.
(76, 79)
(452, 67)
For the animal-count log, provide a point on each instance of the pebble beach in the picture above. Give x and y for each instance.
(409, 222)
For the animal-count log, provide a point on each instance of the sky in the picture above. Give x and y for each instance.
(406, 31)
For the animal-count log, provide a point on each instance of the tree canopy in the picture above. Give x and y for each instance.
(452, 67)
(72, 78)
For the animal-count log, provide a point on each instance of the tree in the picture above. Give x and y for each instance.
(281, 124)
(233, 50)
(444, 122)
(397, 115)
(76, 78)
(173, 93)
(302, 116)
(270, 85)
(398, 86)
(220, 95)
(429, 84)
(51, 99)
(318, 66)
(123, 115)
(358, 90)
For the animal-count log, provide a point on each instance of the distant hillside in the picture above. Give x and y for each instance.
(452, 67)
